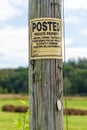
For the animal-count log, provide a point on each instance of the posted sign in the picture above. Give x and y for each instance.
(45, 38)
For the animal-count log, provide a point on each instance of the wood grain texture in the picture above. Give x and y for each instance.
(45, 77)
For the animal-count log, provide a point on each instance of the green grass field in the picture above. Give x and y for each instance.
(7, 118)
(76, 102)
(74, 122)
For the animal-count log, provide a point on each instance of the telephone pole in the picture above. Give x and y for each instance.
(45, 69)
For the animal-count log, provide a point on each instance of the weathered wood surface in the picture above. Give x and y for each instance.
(45, 77)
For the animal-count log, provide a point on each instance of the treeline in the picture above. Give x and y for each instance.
(75, 77)
(74, 73)
(14, 80)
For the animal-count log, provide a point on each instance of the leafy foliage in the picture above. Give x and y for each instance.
(14, 80)
(75, 80)
(22, 123)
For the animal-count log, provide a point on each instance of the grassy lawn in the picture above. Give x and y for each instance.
(74, 122)
(7, 118)
(76, 102)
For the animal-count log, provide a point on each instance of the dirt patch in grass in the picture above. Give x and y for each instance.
(76, 97)
(72, 111)
(23, 109)
(12, 108)
(13, 96)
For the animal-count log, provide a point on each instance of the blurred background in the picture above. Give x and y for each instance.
(14, 56)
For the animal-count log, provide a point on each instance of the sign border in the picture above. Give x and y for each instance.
(30, 42)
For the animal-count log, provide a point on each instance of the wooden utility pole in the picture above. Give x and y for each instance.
(46, 87)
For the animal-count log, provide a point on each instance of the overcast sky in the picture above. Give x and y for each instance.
(14, 31)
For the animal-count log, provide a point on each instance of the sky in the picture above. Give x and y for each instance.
(75, 29)
(14, 31)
